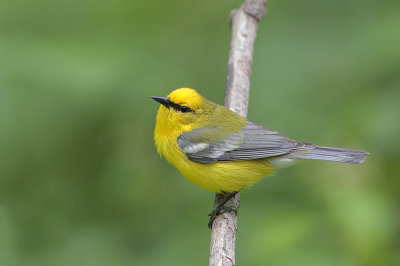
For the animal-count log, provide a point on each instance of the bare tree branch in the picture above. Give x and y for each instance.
(244, 23)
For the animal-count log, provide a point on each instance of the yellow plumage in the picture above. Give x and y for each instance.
(220, 151)
(220, 176)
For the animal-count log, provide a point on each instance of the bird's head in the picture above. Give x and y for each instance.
(182, 110)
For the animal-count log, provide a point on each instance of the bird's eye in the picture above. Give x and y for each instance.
(185, 109)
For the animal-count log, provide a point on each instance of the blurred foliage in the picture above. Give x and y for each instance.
(80, 180)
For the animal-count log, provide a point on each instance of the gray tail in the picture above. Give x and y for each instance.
(332, 154)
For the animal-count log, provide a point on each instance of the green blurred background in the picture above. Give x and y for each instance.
(82, 184)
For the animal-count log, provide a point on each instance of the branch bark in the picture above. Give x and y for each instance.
(244, 23)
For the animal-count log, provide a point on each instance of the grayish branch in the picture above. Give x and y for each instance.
(244, 23)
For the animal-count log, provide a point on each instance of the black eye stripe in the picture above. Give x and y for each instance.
(186, 109)
(180, 108)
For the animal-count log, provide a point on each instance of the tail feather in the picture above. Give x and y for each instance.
(331, 154)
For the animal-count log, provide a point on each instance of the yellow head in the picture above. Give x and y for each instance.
(182, 110)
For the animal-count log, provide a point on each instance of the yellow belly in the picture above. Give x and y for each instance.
(227, 176)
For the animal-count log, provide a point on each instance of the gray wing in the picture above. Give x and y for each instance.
(252, 142)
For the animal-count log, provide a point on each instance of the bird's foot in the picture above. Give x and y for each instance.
(221, 208)
(217, 211)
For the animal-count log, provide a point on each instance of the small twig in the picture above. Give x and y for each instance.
(244, 23)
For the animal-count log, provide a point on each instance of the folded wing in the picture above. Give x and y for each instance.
(252, 142)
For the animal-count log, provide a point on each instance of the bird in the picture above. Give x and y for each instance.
(223, 152)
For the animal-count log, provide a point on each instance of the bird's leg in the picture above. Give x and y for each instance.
(220, 208)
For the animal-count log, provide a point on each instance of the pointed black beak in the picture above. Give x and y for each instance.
(163, 100)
